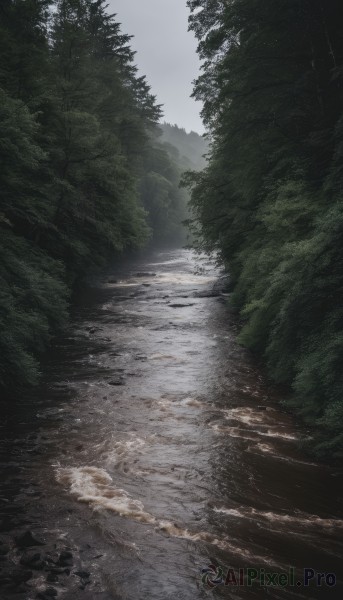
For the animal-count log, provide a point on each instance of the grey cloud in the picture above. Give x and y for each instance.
(166, 54)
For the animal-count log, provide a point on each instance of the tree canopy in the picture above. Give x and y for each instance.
(83, 175)
(270, 199)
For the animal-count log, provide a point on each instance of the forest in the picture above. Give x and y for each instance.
(171, 316)
(85, 172)
(270, 199)
(89, 173)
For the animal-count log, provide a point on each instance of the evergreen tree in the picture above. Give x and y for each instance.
(270, 199)
(77, 124)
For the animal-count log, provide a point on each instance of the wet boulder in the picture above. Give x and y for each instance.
(82, 574)
(65, 558)
(27, 540)
(13, 575)
(33, 560)
(177, 305)
(119, 381)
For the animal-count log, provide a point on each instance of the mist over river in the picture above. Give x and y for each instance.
(155, 448)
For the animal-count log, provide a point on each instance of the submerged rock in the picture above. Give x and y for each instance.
(181, 305)
(27, 539)
(14, 575)
(116, 382)
(83, 574)
(32, 560)
(65, 558)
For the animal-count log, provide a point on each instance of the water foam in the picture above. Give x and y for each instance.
(279, 434)
(249, 416)
(245, 415)
(303, 519)
(192, 402)
(124, 451)
(94, 486)
(235, 432)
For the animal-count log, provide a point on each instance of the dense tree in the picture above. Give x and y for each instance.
(78, 136)
(32, 292)
(270, 200)
(165, 202)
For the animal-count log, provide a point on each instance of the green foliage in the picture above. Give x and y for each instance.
(33, 305)
(164, 200)
(270, 199)
(82, 175)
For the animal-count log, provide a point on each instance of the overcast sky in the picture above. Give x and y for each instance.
(166, 54)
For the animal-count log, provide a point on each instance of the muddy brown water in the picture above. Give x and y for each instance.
(155, 448)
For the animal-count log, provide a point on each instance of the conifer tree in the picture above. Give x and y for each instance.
(270, 200)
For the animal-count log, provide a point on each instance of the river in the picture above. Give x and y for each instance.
(155, 448)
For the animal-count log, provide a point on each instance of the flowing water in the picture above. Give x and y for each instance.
(157, 448)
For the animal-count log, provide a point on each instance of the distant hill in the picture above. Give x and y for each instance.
(191, 146)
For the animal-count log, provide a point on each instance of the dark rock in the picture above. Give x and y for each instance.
(32, 560)
(26, 540)
(112, 280)
(83, 574)
(56, 570)
(116, 382)
(15, 576)
(4, 548)
(181, 305)
(66, 554)
(262, 408)
(51, 578)
(65, 558)
(145, 274)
